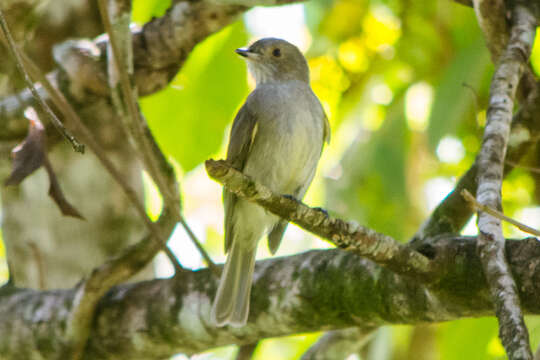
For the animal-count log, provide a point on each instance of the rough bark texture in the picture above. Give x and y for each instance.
(512, 330)
(155, 319)
(40, 242)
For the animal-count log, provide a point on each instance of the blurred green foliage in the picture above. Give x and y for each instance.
(405, 85)
(144, 10)
(190, 115)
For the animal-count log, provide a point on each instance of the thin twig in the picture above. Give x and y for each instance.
(40, 266)
(77, 146)
(474, 96)
(118, 269)
(363, 241)
(499, 215)
(152, 157)
(524, 167)
(71, 115)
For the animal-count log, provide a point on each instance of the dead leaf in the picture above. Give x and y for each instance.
(30, 155)
(55, 192)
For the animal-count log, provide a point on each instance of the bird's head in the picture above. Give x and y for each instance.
(272, 59)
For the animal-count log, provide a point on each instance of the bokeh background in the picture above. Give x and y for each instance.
(405, 87)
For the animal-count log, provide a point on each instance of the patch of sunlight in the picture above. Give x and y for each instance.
(529, 216)
(418, 100)
(286, 22)
(184, 249)
(481, 118)
(518, 189)
(180, 357)
(373, 117)
(450, 150)
(152, 198)
(4, 273)
(495, 348)
(381, 94)
(435, 190)
(328, 81)
(470, 229)
(535, 54)
(382, 28)
(471, 143)
(352, 55)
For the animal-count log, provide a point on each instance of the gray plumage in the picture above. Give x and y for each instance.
(277, 139)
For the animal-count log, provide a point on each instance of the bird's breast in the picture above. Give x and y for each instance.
(287, 145)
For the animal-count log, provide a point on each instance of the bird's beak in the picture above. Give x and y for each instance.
(244, 52)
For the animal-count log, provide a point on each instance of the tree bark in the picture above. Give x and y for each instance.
(158, 318)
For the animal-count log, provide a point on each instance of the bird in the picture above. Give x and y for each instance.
(277, 138)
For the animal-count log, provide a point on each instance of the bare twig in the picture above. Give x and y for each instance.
(118, 269)
(499, 215)
(77, 146)
(151, 155)
(377, 247)
(524, 167)
(71, 115)
(490, 246)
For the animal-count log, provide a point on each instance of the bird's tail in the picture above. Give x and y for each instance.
(231, 304)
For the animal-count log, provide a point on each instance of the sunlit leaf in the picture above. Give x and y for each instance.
(468, 338)
(144, 10)
(535, 55)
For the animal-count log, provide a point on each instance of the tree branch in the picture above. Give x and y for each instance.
(347, 235)
(117, 270)
(46, 109)
(512, 330)
(160, 49)
(115, 18)
(491, 17)
(89, 292)
(499, 215)
(156, 319)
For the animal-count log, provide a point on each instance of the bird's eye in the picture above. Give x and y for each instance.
(276, 52)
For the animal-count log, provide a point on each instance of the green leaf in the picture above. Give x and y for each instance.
(189, 117)
(469, 339)
(143, 10)
(453, 102)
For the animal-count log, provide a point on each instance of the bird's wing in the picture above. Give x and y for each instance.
(326, 131)
(275, 236)
(241, 140)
